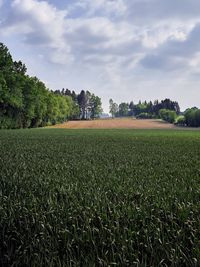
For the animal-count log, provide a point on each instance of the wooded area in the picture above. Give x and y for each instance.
(166, 110)
(26, 102)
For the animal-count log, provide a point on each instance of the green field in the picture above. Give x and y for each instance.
(99, 198)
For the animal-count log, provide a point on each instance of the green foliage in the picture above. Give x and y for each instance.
(9, 123)
(180, 120)
(96, 198)
(85, 105)
(140, 108)
(6, 62)
(132, 109)
(82, 99)
(168, 115)
(25, 101)
(123, 110)
(144, 116)
(192, 117)
(113, 108)
(95, 106)
(165, 104)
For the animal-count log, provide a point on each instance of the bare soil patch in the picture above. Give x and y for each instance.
(119, 123)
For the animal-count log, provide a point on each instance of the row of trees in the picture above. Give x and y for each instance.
(142, 109)
(88, 105)
(26, 102)
(167, 110)
(191, 118)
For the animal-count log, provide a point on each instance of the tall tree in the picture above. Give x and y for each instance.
(123, 109)
(131, 108)
(95, 106)
(82, 101)
(113, 108)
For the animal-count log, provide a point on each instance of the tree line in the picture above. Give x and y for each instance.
(166, 110)
(189, 118)
(142, 109)
(26, 102)
(87, 104)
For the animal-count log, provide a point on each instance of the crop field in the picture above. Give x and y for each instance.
(99, 197)
(117, 123)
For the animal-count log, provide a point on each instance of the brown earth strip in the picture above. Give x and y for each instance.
(124, 123)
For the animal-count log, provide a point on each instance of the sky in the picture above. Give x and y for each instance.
(127, 50)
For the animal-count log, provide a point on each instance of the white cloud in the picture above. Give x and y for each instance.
(44, 21)
(115, 7)
(86, 37)
(151, 11)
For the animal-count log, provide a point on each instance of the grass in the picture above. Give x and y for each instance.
(99, 198)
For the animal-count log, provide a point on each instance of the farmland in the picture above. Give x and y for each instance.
(119, 123)
(99, 198)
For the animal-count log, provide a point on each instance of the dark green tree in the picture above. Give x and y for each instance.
(131, 108)
(82, 102)
(123, 109)
(25, 101)
(95, 107)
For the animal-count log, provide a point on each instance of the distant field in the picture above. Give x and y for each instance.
(99, 198)
(127, 123)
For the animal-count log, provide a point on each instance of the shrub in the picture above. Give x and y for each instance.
(168, 115)
(192, 117)
(144, 115)
(9, 123)
(180, 120)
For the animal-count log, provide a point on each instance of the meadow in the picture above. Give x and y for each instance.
(99, 197)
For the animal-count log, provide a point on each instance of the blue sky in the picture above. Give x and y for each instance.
(121, 49)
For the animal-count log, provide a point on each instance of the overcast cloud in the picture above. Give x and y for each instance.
(120, 49)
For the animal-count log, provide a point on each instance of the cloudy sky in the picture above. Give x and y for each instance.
(121, 49)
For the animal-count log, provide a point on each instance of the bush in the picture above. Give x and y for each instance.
(192, 117)
(144, 116)
(9, 123)
(180, 120)
(168, 115)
